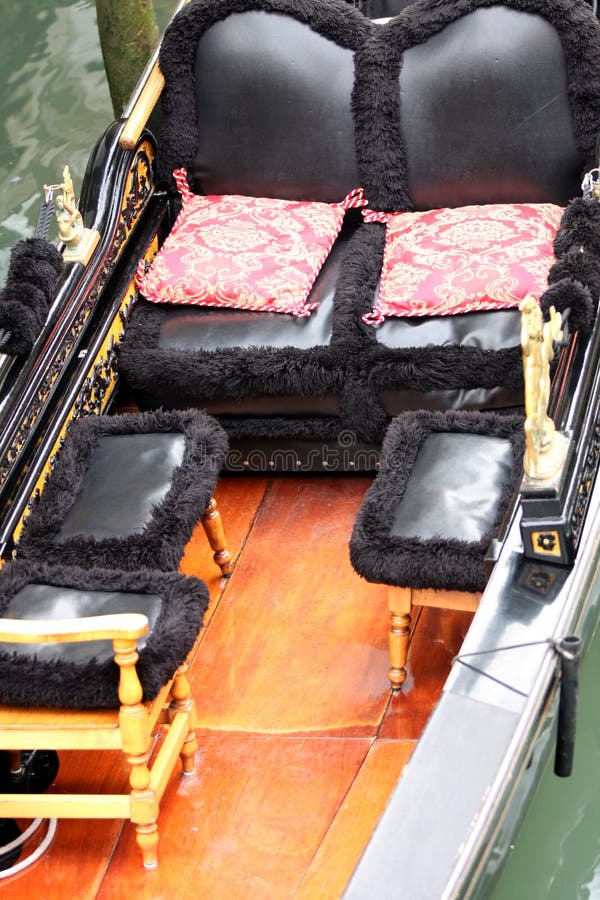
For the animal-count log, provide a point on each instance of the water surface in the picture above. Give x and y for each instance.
(556, 854)
(54, 104)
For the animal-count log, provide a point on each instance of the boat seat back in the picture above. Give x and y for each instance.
(449, 105)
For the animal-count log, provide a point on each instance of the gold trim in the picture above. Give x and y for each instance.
(137, 190)
(551, 540)
(145, 103)
(97, 389)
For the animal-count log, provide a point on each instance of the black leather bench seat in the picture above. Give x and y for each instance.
(473, 102)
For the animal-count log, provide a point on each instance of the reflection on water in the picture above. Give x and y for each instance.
(557, 851)
(54, 105)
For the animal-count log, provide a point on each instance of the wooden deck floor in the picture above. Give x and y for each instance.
(300, 740)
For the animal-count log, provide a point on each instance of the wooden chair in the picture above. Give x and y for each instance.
(32, 673)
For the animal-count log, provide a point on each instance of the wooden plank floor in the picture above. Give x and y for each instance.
(300, 741)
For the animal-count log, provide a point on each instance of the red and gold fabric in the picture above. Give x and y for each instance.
(447, 261)
(253, 253)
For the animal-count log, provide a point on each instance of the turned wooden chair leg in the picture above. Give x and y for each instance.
(181, 693)
(136, 740)
(147, 840)
(211, 520)
(400, 603)
(144, 809)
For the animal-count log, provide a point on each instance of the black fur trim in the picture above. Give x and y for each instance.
(21, 326)
(26, 681)
(26, 295)
(579, 228)
(36, 262)
(434, 563)
(574, 296)
(161, 543)
(576, 28)
(356, 289)
(376, 109)
(334, 20)
(31, 283)
(579, 266)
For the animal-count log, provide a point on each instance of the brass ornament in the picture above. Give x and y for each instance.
(79, 242)
(545, 448)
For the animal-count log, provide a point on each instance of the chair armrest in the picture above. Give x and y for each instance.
(118, 626)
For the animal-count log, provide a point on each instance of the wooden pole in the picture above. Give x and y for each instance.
(128, 34)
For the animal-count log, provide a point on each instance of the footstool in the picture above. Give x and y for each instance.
(127, 491)
(444, 486)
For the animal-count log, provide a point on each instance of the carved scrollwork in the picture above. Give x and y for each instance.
(585, 484)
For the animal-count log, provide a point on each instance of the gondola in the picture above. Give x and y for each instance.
(336, 407)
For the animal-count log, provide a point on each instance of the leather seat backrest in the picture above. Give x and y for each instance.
(471, 101)
(485, 113)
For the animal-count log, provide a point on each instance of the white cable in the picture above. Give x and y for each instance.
(6, 848)
(33, 857)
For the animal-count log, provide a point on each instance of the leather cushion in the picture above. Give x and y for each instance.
(127, 475)
(45, 601)
(83, 674)
(274, 110)
(474, 78)
(443, 488)
(454, 487)
(126, 491)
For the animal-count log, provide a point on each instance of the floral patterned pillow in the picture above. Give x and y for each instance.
(244, 252)
(447, 261)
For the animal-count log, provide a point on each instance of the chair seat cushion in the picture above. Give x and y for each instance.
(84, 675)
(443, 489)
(253, 253)
(448, 261)
(127, 491)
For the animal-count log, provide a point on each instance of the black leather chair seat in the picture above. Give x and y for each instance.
(46, 601)
(127, 491)
(206, 328)
(454, 488)
(443, 489)
(127, 475)
(494, 330)
(83, 674)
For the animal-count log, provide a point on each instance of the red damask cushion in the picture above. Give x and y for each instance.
(448, 261)
(245, 252)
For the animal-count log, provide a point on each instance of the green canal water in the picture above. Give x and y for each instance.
(54, 104)
(556, 853)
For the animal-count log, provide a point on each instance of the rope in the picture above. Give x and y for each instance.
(44, 217)
(556, 646)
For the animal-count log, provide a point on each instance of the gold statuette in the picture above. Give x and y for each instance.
(545, 448)
(79, 242)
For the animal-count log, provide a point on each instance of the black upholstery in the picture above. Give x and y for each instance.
(126, 491)
(482, 131)
(454, 487)
(294, 134)
(47, 601)
(471, 101)
(83, 674)
(443, 489)
(128, 474)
